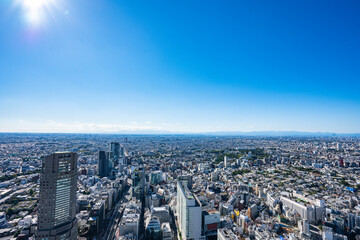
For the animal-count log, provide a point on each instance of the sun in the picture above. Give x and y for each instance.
(34, 4)
(38, 13)
(34, 10)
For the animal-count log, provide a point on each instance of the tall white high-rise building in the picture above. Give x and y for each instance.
(188, 209)
(58, 186)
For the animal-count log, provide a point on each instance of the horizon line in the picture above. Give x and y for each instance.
(215, 133)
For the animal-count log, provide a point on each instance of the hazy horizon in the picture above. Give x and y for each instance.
(223, 133)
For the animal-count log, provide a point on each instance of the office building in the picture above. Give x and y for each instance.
(138, 183)
(305, 210)
(129, 224)
(156, 177)
(97, 215)
(153, 228)
(210, 222)
(103, 169)
(57, 205)
(188, 209)
(115, 149)
(188, 179)
(166, 231)
(106, 164)
(162, 213)
(122, 151)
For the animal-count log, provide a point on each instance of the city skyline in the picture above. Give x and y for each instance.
(121, 67)
(169, 187)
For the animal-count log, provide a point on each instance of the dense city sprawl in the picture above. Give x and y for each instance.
(178, 187)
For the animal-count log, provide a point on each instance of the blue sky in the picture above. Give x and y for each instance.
(182, 66)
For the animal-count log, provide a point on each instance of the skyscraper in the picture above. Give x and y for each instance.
(106, 164)
(138, 183)
(188, 210)
(111, 163)
(188, 179)
(122, 151)
(103, 167)
(58, 186)
(115, 149)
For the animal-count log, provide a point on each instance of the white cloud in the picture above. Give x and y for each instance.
(52, 126)
(95, 127)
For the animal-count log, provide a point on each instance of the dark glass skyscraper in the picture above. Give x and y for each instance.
(115, 149)
(103, 167)
(58, 186)
(106, 164)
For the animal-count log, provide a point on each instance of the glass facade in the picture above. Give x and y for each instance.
(62, 202)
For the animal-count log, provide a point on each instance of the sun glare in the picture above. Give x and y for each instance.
(40, 12)
(34, 4)
(34, 10)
